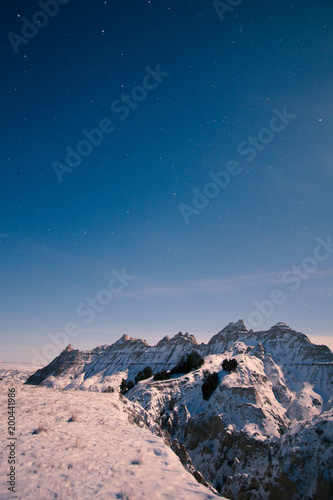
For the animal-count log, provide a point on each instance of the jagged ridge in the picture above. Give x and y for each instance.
(104, 364)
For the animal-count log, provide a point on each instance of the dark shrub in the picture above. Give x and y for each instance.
(126, 385)
(130, 385)
(211, 381)
(39, 429)
(148, 372)
(109, 389)
(193, 361)
(163, 375)
(123, 386)
(229, 365)
(144, 374)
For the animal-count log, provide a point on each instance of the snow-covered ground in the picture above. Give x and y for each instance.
(101, 454)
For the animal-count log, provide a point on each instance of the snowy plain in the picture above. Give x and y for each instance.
(100, 454)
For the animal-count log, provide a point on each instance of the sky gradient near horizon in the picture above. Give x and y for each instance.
(206, 194)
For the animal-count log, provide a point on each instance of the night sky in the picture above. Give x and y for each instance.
(166, 166)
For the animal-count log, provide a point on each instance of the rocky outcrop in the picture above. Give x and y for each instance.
(261, 435)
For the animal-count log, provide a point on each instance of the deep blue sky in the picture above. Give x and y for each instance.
(119, 208)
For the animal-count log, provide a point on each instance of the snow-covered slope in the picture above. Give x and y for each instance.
(266, 431)
(106, 452)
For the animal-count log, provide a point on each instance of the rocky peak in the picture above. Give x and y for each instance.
(230, 333)
(127, 340)
(184, 338)
(280, 326)
(163, 342)
(126, 337)
(238, 327)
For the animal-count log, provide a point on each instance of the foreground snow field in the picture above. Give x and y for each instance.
(100, 454)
